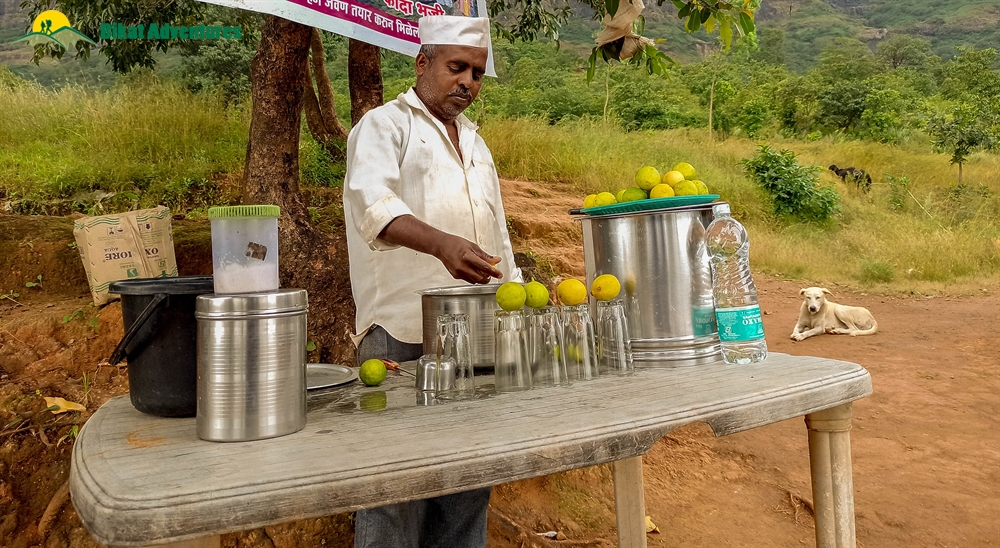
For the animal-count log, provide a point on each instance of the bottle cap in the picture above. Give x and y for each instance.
(219, 212)
(721, 208)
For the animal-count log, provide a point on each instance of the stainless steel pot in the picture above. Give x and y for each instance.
(251, 365)
(477, 301)
(661, 260)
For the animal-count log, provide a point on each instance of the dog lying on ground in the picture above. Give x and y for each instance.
(818, 315)
(859, 176)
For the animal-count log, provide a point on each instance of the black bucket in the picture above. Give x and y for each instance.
(160, 342)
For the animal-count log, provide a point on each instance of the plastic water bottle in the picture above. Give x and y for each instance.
(737, 313)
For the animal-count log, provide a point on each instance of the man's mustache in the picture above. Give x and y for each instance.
(464, 94)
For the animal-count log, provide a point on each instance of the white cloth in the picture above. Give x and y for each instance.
(454, 30)
(400, 161)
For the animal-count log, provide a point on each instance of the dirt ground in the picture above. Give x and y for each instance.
(926, 444)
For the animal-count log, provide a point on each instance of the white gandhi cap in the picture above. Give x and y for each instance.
(454, 30)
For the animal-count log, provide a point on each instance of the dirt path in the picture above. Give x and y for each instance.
(926, 444)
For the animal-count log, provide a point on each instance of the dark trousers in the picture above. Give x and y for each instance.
(449, 521)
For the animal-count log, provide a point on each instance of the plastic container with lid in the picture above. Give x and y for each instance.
(245, 248)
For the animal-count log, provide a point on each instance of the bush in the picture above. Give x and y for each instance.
(793, 188)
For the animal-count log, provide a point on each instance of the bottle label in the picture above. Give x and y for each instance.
(740, 324)
(703, 321)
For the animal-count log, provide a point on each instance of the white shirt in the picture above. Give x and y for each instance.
(400, 161)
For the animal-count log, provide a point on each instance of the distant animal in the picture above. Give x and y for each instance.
(859, 176)
(819, 315)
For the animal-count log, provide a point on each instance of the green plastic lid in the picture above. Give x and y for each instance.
(219, 212)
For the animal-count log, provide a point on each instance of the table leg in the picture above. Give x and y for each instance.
(832, 481)
(629, 503)
(204, 542)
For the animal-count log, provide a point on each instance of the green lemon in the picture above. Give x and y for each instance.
(511, 296)
(687, 169)
(373, 401)
(685, 188)
(702, 187)
(633, 194)
(605, 198)
(618, 196)
(662, 190)
(605, 287)
(571, 292)
(647, 177)
(588, 202)
(537, 295)
(372, 372)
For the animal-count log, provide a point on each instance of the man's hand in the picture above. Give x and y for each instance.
(467, 261)
(463, 259)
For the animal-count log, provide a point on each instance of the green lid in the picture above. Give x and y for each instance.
(219, 212)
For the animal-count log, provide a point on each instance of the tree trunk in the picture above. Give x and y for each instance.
(960, 173)
(364, 69)
(309, 259)
(318, 103)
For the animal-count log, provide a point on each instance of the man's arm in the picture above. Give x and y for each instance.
(463, 259)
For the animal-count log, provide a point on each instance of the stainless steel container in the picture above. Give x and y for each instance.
(661, 260)
(251, 365)
(479, 302)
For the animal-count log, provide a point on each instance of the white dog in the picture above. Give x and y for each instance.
(818, 315)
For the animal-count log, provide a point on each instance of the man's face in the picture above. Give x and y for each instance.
(451, 81)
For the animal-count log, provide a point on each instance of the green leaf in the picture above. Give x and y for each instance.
(746, 23)
(693, 23)
(310, 346)
(684, 12)
(612, 7)
(706, 12)
(725, 32)
(679, 4)
(710, 24)
(591, 66)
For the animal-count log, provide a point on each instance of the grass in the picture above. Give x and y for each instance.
(943, 238)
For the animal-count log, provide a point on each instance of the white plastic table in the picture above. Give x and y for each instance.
(139, 480)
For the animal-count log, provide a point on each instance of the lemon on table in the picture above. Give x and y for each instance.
(511, 296)
(633, 194)
(571, 292)
(685, 188)
(686, 169)
(647, 177)
(372, 372)
(536, 294)
(605, 287)
(605, 198)
(662, 190)
(702, 187)
(588, 202)
(672, 178)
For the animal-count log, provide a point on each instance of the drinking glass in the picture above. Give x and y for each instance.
(453, 343)
(512, 369)
(612, 336)
(547, 349)
(581, 349)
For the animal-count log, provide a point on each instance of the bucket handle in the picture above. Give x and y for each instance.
(119, 352)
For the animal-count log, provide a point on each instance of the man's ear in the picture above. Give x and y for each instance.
(420, 64)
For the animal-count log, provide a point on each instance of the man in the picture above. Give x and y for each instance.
(422, 208)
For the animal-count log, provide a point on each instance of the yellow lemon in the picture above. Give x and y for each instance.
(661, 190)
(647, 177)
(605, 198)
(672, 178)
(537, 295)
(588, 202)
(685, 188)
(571, 292)
(632, 195)
(511, 296)
(702, 187)
(372, 372)
(686, 169)
(605, 287)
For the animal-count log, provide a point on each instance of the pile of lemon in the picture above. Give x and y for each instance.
(513, 296)
(680, 181)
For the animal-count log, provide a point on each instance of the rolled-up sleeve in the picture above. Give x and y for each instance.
(373, 149)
